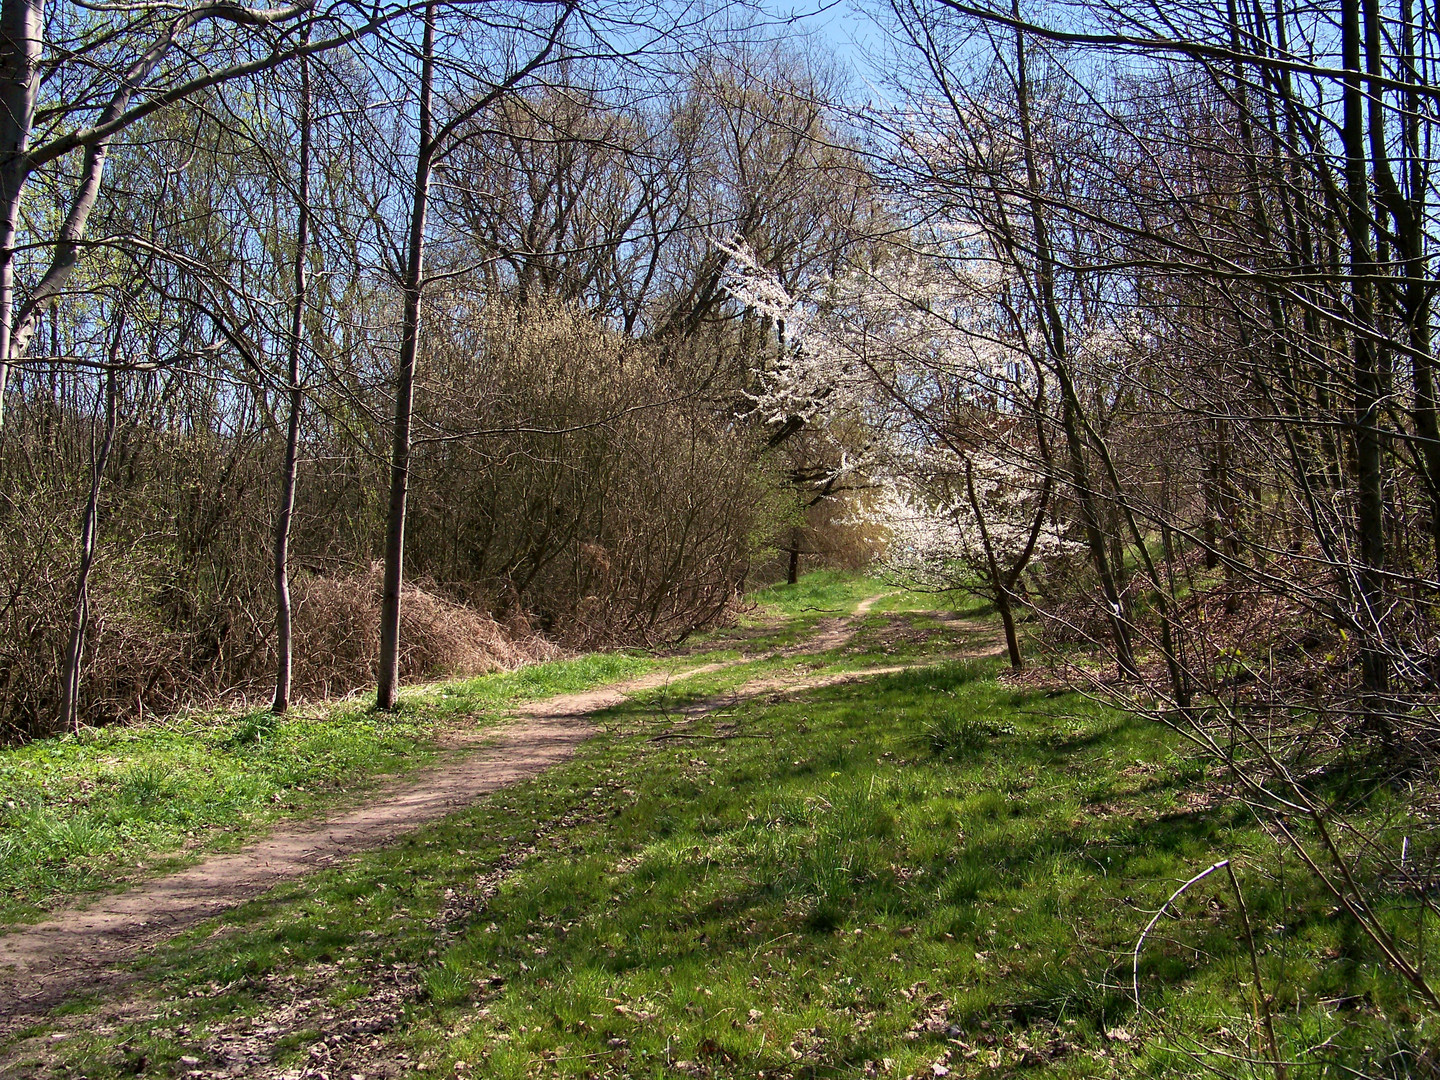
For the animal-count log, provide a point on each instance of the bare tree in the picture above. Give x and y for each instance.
(284, 632)
(74, 654)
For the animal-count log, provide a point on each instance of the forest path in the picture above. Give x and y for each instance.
(863, 608)
(81, 950)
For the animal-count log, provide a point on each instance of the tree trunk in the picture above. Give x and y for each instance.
(283, 635)
(1007, 619)
(1370, 504)
(1000, 583)
(74, 654)
(1209, 527)
(1055, 337)
(389, 676)
(1411, 217)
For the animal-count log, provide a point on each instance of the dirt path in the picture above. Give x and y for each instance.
(76, 950)
(863, 608)
(79, 950)
(84, 949)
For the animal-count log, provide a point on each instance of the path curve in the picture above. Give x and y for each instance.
(864, 606)
(79, 949)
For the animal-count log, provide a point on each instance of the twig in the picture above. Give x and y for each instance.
(1135, 965)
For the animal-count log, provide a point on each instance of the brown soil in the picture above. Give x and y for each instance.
(863, 608)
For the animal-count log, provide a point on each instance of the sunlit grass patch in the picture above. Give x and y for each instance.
(836, 592)
(87, 811)
(826, 591)
(871, 879)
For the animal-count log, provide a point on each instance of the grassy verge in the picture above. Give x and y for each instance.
(924, 874)
(86, 812)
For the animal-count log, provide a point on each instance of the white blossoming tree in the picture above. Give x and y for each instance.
(917, 345)
(970, 520)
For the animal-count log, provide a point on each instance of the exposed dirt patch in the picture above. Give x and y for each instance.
(863, 608)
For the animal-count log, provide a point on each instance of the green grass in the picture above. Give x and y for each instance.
(832, 592)
(875, 879)
(90, 812)
(828, 592)
(87, 812)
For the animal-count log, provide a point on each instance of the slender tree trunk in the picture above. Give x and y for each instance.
(1424, 412)
(1227, 509)
(74, 654)
(1057, 344)
(389, 676)
(1411, 217)
(283, 635)
(1370, 508)
(1094, 534)
(1007, 620)
(1169, 632)
(1210, 527)
(999, 585)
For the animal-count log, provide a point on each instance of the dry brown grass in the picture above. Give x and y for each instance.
(135, 666)
(337, 636)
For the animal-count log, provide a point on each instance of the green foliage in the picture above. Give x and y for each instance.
(955, 736)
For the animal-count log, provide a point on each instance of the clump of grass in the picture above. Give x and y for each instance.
(956, 735)
(253, 730)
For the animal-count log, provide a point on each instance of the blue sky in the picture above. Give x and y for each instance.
(842, 30)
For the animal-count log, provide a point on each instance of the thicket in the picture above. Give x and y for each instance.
(627, 514)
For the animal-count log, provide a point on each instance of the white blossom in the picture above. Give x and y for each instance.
(903, 344)
(936, 539)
